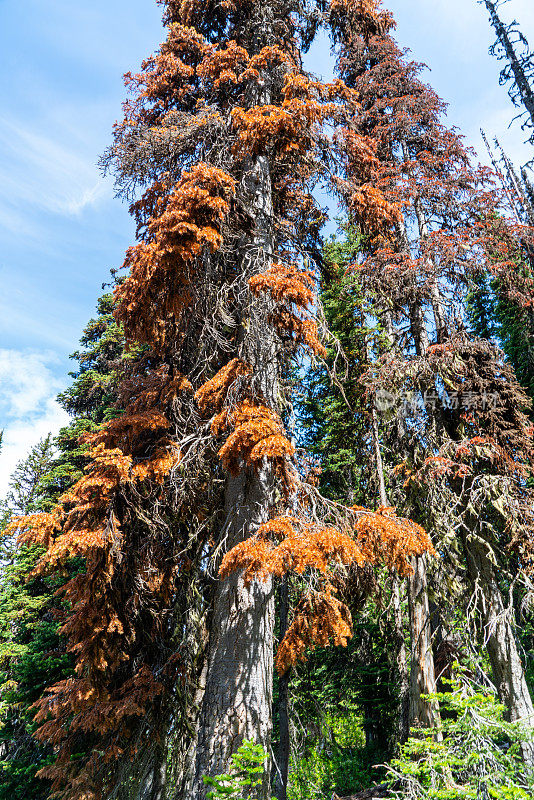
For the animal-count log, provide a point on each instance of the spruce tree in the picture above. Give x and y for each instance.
(32, 654)
(419, 277)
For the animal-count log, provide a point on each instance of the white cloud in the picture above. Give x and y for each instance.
(28, 408)
(38, 170)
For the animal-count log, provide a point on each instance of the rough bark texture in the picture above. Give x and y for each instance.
(498, 632)
(422, 674)
(282, 756)
(185, 771)
(237, 702)
(238, 694)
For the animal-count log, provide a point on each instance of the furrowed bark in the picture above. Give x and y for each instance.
(238, 694)
(422, 673)
(499, 637)
(237, 702)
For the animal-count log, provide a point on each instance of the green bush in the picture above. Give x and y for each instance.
(475, 754)
(337, 762)
(246, 773)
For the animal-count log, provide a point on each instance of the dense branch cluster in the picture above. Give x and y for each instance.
(214, 291)
(195, 495)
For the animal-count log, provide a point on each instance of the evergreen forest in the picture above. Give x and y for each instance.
(285, 546)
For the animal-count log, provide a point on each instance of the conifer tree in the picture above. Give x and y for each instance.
(23, 658)
(492, 311)
(419, 278)
(220, 146)
(338, 419)
(25, 486)
(32, 655)
(512, 46)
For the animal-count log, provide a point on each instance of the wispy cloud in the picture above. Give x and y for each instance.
(37, 170)
(28, 408)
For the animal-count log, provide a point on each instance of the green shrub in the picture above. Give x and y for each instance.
(474, 755)
(246, 773)
(337, 762)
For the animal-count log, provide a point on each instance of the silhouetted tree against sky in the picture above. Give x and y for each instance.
(512, 47)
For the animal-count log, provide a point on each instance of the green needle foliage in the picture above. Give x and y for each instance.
(333, 410)
(475, 754)
(347, 697)
(494, 316)
(246, 774)
(28, 639)
(32, 654)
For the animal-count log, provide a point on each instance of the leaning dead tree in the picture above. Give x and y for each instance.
(518, 73)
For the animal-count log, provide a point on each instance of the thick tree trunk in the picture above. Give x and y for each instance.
(422, 674)
(238, 694)
(499, 638)
(237, 702)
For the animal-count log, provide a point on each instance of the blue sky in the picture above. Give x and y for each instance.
(61, 229)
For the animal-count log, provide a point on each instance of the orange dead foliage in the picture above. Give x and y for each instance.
(294, 545)
(292, 290)
(257, 433)
(287, 128)
(320, 620)
(212, 395)
(289, 544)
(190, 220)
(387, 539)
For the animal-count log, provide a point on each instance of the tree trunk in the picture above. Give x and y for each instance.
(521, 80)
(238, 694)
(422, 670)
(153, 785)
(237, 702)
(422, 676)
(282, 758)
(186, 771)
(403, 721)
(499, 638)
